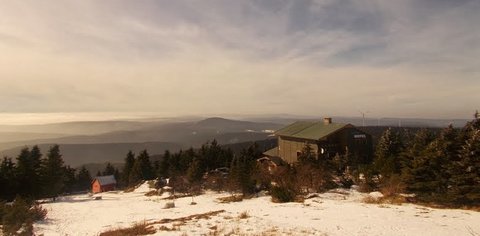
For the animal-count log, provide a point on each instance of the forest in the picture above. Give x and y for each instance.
(437, 169)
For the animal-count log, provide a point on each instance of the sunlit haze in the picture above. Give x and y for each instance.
(390, 58)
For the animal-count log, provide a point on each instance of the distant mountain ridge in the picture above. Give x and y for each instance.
(79, 154)
(103, 141)
(156, 137)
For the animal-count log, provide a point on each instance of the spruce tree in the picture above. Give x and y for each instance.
(135, 174)
(109, 169)
(142, 169)
(387, 155)
(24, 171)
(145, 165)
(127, 168)
(195, 171)
(164, 165)
(69, 180)
(36, 160)
(8, 180)
(464, 183)
(241, 170)
(414, 152)
(53, 173)
(84, 179)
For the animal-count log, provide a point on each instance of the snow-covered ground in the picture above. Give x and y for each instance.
(336, 213)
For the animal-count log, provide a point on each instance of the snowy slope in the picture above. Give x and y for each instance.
(335, 213)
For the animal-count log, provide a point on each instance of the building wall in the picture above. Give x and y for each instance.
(289, 147)
(337, 143)
(106, 188)
(96, 187)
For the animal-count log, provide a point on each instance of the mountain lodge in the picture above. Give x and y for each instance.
(327, 139)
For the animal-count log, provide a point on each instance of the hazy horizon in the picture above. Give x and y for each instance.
(415, 59)
(52, 118)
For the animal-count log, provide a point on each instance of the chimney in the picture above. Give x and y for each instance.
(327, 120)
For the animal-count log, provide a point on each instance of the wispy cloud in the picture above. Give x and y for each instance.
(396, 58)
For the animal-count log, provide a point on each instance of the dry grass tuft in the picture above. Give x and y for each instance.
(165, 228)
(152, 193)
(243, 215)
(145, 228)
(137, 229)
(233, 198)
(394, 200)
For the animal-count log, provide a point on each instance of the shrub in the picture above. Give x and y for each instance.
(18, 218)
(169, 205)
(392, 187)
(282, 194)
(37, 212)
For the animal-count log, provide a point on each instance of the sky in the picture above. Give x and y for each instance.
(409, 58)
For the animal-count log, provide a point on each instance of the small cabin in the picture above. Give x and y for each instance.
(103, 184)
(326, 138)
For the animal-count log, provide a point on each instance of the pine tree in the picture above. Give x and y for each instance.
(195, 171)
(36, 175)
(241, 170)
(69, 180)
(164, 165)
(145, 164)
(307, 155)
(23, 172)
(142, 169)
(84, 179)
(109, 169)
(135, 174)
(464, 184)
(127, 168)
(8, 180)
(53, 173)
(387, 155)
(414, 152)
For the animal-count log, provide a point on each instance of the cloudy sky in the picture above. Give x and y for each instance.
(409, 58)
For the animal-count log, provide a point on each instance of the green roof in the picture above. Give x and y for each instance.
(272, 152)
(310, 130)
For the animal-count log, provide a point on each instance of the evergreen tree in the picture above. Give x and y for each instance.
(414, 152)
(307, 155)
(142, 169)
(464, 184)
(36, 175)
(84, 179)
(116, 174)
(186, 159)
(127, 168)
(163, 169)
(53, 173)
(241, 170)
(23, 172)
(109, 169)
(195, 171)
(69, 179)
(8, 180)
(135, 174)
(145, 164)
(387, 156)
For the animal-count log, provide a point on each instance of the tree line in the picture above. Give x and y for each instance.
(438, 167)
(442, 168)
(34, 175)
